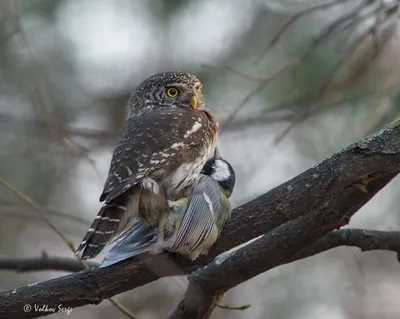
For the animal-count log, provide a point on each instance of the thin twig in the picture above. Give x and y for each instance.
(257, 89)
(234, 71)
(58, 231)
(244, 307)
(292, 20)
(43, 263)
(318, 41)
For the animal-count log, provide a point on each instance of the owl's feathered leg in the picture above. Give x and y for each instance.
(103, 228)
(118, 215)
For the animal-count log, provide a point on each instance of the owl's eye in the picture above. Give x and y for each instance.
(172, 92)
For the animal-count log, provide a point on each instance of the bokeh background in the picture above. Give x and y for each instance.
(291, 82)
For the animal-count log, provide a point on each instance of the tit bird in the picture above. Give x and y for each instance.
(168, 136)
(193, 224)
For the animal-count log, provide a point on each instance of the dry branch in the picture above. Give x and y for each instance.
(278, 247)
(304, 209)
(43, 263)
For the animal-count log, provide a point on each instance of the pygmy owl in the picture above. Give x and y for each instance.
(167, 139)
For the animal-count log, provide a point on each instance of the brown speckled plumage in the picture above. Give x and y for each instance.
(159, 155)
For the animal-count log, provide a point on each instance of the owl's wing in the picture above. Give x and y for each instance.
(200, 216)
(152, 139)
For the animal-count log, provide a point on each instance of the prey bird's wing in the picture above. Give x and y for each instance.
(201, 214)
(138, 239)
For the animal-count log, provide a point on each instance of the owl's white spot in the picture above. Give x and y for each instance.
(91, 230)
(177, 145)
(209, 202)
(112, 220)
(128, 170)
(154, 162)
(127, 186)
(164, 154)
(221, 171)
(118, 206)
(83, 242)
(194, 129)
(118, 177)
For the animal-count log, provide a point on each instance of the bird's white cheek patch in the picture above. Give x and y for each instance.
(196, 126)
(221, 171)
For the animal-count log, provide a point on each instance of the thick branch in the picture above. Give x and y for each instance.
(365, 239)
(43, 263)
(359, 166)
(277, 247)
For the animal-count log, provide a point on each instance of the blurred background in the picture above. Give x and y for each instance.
(291, 82)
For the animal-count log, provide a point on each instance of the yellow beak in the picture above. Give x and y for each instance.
(194, 102)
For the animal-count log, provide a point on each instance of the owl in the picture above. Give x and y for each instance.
(168, 136)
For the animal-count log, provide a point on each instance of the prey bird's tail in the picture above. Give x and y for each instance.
(140, 238)
(103, 229)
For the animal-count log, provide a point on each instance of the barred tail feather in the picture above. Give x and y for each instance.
(103, 229)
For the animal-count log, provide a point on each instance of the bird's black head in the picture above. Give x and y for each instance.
(222, 172)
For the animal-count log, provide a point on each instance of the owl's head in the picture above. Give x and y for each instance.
(170, 89)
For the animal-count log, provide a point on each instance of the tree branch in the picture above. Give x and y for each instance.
(318, 201)
(275, 248)
(43, 263)
(365, 239)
